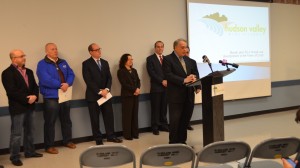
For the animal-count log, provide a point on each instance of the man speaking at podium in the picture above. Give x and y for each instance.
(179, 71)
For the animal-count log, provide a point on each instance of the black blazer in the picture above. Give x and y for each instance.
(17, 90)
(177, 92)
(95, 79)
(156, 74)
(129, 81)
(195, 70)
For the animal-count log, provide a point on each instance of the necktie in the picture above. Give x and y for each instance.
(182, 63)
(160, 59)
(99, 64)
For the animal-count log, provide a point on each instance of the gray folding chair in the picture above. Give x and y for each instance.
(107, 156)
(217, 154)
(167, 155)
(274, 148)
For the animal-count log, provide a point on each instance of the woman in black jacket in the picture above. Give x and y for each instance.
(130, 90)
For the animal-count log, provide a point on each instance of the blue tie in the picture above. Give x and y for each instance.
(99, 64)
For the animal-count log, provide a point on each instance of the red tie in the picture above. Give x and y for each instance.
(160, 59)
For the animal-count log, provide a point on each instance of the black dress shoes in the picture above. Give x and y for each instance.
(136, 137)
(190, 128)
(155, 132)
(17, 162)
(99, 142)
(128, 138)
(1, 166)
(35, 155)
(115, 140)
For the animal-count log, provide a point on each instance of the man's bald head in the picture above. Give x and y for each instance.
(17, 57)
(15, 53)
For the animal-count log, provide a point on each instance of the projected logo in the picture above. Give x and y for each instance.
(219, 24)
(215, 22)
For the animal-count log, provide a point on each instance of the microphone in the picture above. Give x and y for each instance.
(206, 60)
(224, 62)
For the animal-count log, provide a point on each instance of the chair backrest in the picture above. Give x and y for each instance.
(107, 156)
(223, 152)
(168, 155)
(275, 148)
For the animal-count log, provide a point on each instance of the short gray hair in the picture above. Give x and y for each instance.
(177, 41)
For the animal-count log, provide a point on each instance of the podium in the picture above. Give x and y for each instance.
(212, 107)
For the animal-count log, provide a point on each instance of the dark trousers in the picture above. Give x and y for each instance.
(179, 116)
(130, 106)
(191, 113)
(21, 123)
(158, 110)
(52, 109)
(108, 118)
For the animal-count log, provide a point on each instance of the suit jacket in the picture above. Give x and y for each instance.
(17, 90)
(95, 79)
(177, 92)
(195, 70)
(129, 81)
(156, 74)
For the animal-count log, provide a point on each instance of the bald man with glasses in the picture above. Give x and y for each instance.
(22, 92)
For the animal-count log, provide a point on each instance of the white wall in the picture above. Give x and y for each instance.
(285, 42)
(122, 26)
(118, 26)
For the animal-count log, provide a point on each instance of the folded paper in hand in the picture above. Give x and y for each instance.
(103, 100)
(65, 96)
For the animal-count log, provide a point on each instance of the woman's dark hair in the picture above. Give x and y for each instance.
(123, 60)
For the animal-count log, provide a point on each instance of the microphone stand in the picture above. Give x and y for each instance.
(228, 69)
(209, 64)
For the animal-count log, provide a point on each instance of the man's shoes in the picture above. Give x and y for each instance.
(155, 132)
(17, 162)
(35, 155)
(70, 145)
(136, 137)
(190, 128)
(115, 140)
(99, 142)
(52, 150)
(164, 128)
(128, 138)
(1, 166)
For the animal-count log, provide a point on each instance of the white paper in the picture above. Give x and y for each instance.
(65, 96)
(217, 89)
(103, 100)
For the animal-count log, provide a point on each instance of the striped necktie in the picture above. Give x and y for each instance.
(182, 63)
(99, 64)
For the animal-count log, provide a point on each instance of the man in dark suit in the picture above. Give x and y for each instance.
(178, 71)
(158, 89)
(97, 76)
(22, 92)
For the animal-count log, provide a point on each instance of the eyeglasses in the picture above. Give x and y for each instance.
(21, 56)
(99, 49)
